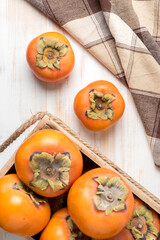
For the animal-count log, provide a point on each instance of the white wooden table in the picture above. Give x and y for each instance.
(23, 95)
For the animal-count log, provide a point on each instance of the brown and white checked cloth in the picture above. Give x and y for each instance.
(124, 35)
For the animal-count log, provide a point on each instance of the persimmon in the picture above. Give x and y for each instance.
(50, 57)
(125, 234)
(99, 105)
(48, 162)
(62, 227)
(100, 203)
(144, 224)
(22, 212)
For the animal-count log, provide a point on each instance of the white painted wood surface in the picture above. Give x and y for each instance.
(23, 95)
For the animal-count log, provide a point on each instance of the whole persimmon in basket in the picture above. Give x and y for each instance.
(100, 203)
(144, 224)
(22, 212)
(48, 162)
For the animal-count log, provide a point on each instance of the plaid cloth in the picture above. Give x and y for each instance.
(125, 37)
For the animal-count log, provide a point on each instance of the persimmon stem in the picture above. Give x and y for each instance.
(50, 55)
(99, 105)
(140, 225)
(110, 196)
(49, 170)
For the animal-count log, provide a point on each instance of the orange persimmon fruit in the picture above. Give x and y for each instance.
(48, 162)
(62, 227)
(50, 57)
(99, 105)
(144, 224)
(22, 212)
(100, 203)
(57, 227)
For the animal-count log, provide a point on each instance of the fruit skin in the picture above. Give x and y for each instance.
(82, 104)
(57, 228)
(90, 221)
(46, 74)
(18, 213)
(126, 233)
(47, 140)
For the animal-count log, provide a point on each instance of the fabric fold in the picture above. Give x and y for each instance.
(125, 37)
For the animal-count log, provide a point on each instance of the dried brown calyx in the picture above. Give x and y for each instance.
(141, 225)
(49, 53)
(37, 200)
(101, 106)
(76, 234)
(50, 170)
(111, 194)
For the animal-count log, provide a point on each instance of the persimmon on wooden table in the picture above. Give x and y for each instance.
(23, 95)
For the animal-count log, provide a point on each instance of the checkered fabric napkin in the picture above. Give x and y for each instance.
(125, 37)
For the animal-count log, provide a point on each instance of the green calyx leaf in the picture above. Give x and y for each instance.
(50, 65)
(92, 114)
(97, 94)
(56, 185)
(37, 200)
(39, 61)
(75, 233)
(108, 97)
(70, 223)
(49, 53)
(56, 64)
(59, 45)
(111, 194)
(120, 207)
(109, 113)
(101, 106)
(108, 211)
(102, 180)
(50, 170)
(63, 50)
(39, 183)
(43, 43)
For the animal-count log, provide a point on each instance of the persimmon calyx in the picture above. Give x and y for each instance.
(141, 225)
(49, 53)
(111, 194)
(50, 170)
(75, 232)
(101, 106)
(37, 200)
